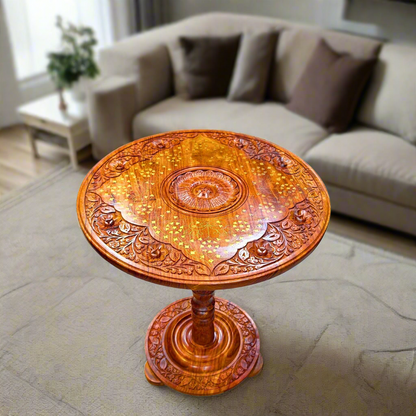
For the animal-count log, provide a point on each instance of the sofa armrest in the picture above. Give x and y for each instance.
(136, 73)
(112, 104)
(144, 58)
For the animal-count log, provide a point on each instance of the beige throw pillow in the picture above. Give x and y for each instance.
(177, 60)
(252, 68)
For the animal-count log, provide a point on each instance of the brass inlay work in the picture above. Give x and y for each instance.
(140, 194)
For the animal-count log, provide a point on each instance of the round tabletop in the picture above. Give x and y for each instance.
(203, 209)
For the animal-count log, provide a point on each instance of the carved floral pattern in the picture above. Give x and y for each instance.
(258, 150)
(203, 382)
(137, 152)
(135, 243)
(282, 238)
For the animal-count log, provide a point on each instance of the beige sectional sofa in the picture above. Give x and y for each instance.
(370, 170)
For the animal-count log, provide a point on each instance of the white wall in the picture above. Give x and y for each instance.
(9, 92)
(395, 21)
(391, 21)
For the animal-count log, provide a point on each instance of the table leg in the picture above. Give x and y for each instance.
(72, 152)
(203, 311)
(202, 346)
(31, 137)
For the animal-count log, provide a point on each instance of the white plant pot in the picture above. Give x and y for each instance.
(79, 89)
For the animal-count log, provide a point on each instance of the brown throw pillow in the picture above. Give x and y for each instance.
(252, 68)
(208, 64)
(330, 87)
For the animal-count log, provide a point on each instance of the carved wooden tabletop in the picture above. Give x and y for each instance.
(203, 210)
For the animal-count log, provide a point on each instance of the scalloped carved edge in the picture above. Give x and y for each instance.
(200, 383)
(258, 150)
(135, 243)
(281, 239)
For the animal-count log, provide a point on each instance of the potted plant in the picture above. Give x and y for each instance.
(76, 59)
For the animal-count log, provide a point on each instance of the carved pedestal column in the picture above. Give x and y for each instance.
(203, 311)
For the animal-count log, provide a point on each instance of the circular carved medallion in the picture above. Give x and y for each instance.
(204, 190)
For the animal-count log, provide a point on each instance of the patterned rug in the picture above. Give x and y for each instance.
(338, 332)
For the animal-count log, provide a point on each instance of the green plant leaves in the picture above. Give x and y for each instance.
(76, 58)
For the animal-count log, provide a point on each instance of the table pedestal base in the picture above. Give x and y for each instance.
(190, 351)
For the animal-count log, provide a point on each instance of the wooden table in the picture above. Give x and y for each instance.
(66, 129)
(203, 210)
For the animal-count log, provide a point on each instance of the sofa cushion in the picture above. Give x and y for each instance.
(390, 102)
(330, 87)
(270, 121)
(252, 67)
(209, 64)
(295, 48)
(214, 24)
(372, 162)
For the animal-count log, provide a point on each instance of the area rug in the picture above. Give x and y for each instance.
(338, 332)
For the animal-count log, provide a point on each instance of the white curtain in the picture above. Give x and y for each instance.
(9, 90)
(149, 13)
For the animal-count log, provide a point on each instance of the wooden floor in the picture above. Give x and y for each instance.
(18, 166)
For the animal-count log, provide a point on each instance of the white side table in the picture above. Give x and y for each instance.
(43, 117)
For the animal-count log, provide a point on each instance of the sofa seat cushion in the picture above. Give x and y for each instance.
(369, 161)
(269, 120)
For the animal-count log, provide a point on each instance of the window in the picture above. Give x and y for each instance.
(33, 33)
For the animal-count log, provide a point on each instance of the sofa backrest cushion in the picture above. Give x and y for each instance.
(390, 100)
(294, 50)
(252, 67)
(213, 24)
(209, 64)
